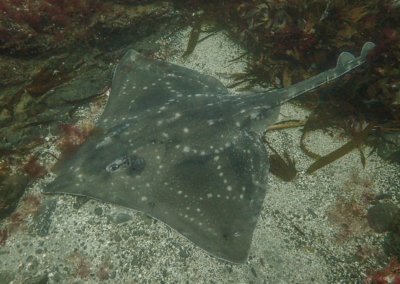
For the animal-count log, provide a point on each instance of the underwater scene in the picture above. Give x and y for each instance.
(214, 141)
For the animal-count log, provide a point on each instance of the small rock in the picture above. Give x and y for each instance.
(43, 217)
(56, 277)
(183, 253)
(6, 277)
(389, 147)
(253, 271)
(121, 218)
(98, 211)
(139, 233)
(312, 213)
(42, 279)
(148, 221)
(13, 187)
(391, 244)
(80, 200)
(32, 265)
(380, 216)
(136, 262)
(103, 274)
(117, 238)
(113, 274)
(395, 226)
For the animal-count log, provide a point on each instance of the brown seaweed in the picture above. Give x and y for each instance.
(194, 38)
(284, 168)
(287, 124)
(311, 124)
(278, 33)
(345, 149)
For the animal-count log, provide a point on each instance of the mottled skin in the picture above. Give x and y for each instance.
(176, 146)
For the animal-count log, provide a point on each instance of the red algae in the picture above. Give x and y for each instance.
(388, 275)
(33, 169)
(72, 138)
